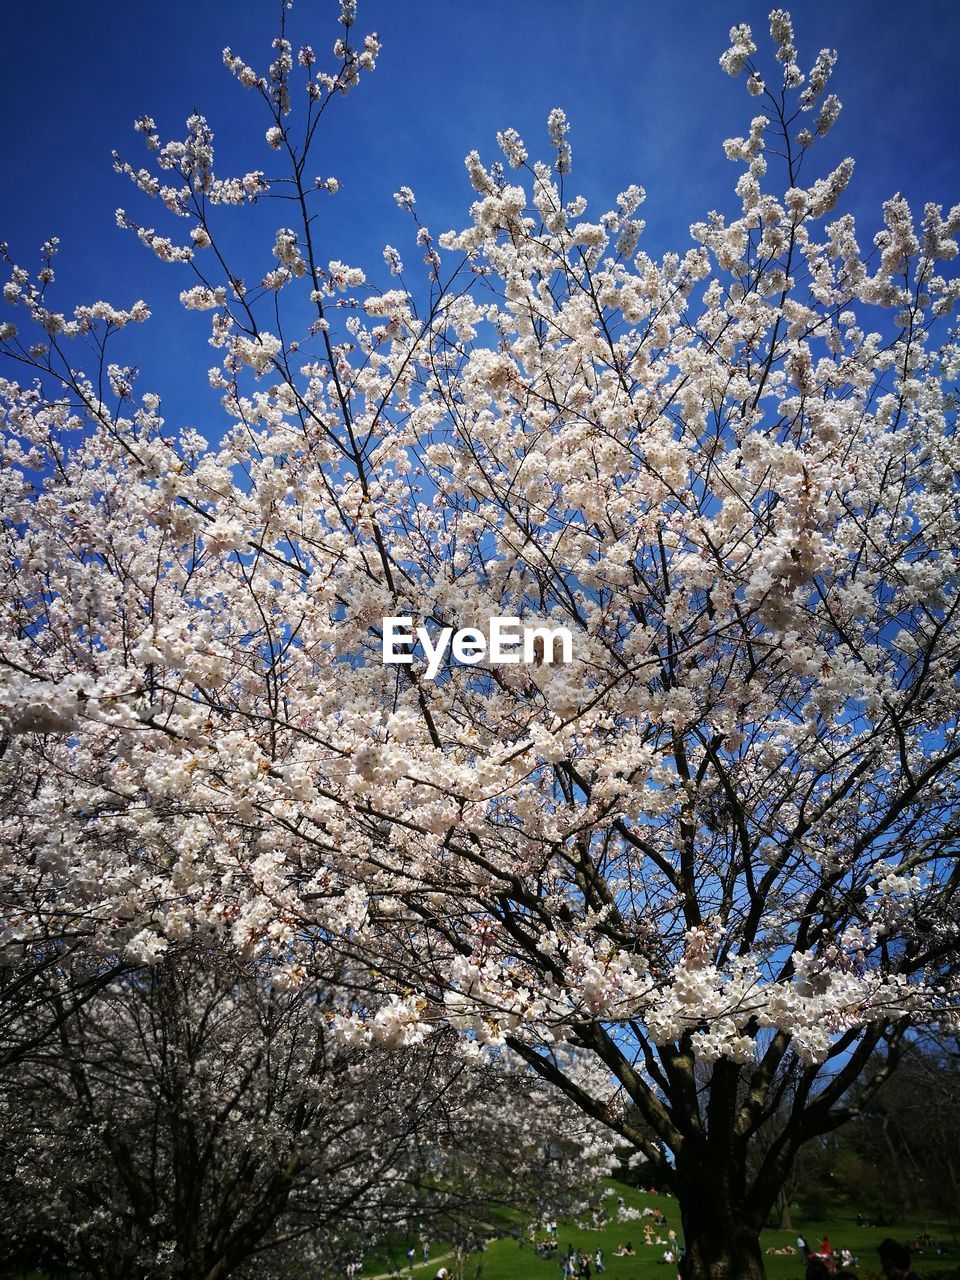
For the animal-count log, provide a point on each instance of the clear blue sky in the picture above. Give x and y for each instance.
(639, 81)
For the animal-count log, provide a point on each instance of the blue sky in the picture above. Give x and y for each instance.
(639, 81)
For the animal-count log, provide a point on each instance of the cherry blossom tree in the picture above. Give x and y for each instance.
(716, 849)
(191, 1120)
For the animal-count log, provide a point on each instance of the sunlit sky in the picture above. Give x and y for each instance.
(640, 83)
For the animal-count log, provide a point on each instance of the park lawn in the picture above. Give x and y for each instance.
(504, 1260)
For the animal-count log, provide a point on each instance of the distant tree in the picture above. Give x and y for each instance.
(907, 1138)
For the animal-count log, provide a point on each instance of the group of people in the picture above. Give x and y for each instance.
(581, 1266)
(924, 1242)
(577, 1264)
(823, 1263)
(827, 1263)
(825, 1260)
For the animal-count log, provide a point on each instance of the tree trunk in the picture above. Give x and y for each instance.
(786, 1223)
(722, 1239)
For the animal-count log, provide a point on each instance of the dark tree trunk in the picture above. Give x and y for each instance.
(722, 1237)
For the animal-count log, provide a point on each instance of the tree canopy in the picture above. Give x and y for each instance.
(716, 850)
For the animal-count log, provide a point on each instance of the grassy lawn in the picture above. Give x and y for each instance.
(503, 1260)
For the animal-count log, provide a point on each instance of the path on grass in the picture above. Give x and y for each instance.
(407, 1270)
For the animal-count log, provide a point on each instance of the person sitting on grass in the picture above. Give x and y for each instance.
(895, 1260)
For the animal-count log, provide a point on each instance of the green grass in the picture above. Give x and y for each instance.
(503, 1260)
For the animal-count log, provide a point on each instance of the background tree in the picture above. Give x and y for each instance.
(905, 1141)
(717, 850)
(193, 1120)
